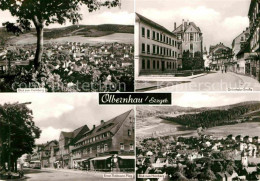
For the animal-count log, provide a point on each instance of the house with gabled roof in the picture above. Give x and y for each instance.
(66, 142)
(190, 35)
(108, 146)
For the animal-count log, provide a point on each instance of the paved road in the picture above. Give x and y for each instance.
(215, 82)
(64, 175)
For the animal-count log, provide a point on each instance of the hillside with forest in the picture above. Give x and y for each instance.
(218, 116)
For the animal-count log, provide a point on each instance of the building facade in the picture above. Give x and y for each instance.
(254, 39)
(191, 39)
(157, 49)
(107, 147)
(238, 48)
(66, 142)
(221, 57)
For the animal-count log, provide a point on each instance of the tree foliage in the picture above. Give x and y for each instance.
(211, 118)
(45, 12)
(16, 121)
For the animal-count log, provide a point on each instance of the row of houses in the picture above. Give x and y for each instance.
(106, 147)
(159, 50)
(244, 56)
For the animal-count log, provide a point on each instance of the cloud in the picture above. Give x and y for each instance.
(219, 21)
(49, 134)
(122, 17)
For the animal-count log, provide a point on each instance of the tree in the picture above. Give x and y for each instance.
(45, 12)
(17, 132)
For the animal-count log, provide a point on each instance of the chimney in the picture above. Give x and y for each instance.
(94, 126)
(174, 25)
(102, 121)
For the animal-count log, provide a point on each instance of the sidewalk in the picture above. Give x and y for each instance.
(248, 82)
(168, 78)
(81, 171)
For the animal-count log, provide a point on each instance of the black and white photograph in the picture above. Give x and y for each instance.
(202, 45)
(67, 46)
(202, 136)
(65, 137)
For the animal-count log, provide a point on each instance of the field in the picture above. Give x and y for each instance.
(83, 33)
(158, 127)
(149, 123)
(117, 37)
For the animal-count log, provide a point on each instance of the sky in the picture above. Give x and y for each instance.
(117, 15)
(219, 20)
(56, 112)
(197, 99)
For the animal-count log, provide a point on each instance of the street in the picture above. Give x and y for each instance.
(52, 174)
(215, 82)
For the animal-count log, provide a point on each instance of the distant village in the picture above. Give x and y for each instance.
(72, 62)
(200, 158)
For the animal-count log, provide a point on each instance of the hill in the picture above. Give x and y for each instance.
(218, 116)
(74, 30)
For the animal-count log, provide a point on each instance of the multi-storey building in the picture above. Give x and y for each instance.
(45, 153)
(157, 49)
(220, 57)
(254, 38)
(238, 48)
(66, 142)
(109, 146)
(191, 39)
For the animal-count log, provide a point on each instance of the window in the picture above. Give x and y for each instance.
(161, 38)
(129, 132)
(143, 64)
(98, 149)
(191, 46)
(131, 147)
(158, 64)
(143, 32)
(90, 150)
(158, 50)
(170, 40)
(173, 43)
(161, 50)
(143, 47)
(148, 64)
(122, 147)
(154, 64)
(191, 37)
(153, 35)
(105, 147)
(154, 49)
(167, 40)
(242, 38)
(158, 36)
(148, 33)
(148, 49)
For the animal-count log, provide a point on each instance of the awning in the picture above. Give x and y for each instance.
(127, 157)
(101, 158)
(81, 160)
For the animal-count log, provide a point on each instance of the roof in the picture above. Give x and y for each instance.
(186, 26)
(112, 126)
(161, 159)
(220, 45)
(152, 23)
(76, 133)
